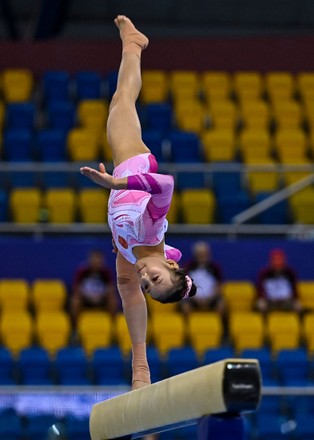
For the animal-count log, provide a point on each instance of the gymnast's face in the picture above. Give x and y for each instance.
(156, 275)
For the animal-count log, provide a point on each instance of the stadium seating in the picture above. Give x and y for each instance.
(283, 330)
(35, 366)
(155, 86)
(215, 86)
(95, 330)
(25, 205)
(246, 330)
(71, 366)
(48, 295)
(239, 295)
(7, 367)
(52, 330)
(121, 334)
(88, 85)
(16, 330)
(92, 205)
(61, 204)
(168, 331)
(248, 86)
(205, 331)
(198, 206)
(108, 365)
(17, 85)
(14, 295)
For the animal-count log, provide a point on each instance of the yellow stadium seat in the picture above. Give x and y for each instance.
(279, 85)
(105, 150)
(290, 145)
(283, 330)
(25, 204)
(17, 85)
(263, 181)
(2, 114)
(52, 330)
(223, 114)
(174, 209)
(308, 332)
(155, 86)
(16, 330)
(94, 330)
(184, 84)
(93, 205)
(248, 85)
(305, 83)
(253, 140)
(93, 113)
(48, 295)
(198, 206)
(255, 114)
(215, 85)
(121, 333)
(218, 144)
(61, 204)
(306, 294)
(290, 177)
(190, 115)
(83, 144)
(14, 295)
(168, 331)
(239, 295)
(301, 205)
(287, 114)
(205, 330)
(246, 330)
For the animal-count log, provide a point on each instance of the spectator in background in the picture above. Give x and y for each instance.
(277, 285)
(207, 277)
(93, 286)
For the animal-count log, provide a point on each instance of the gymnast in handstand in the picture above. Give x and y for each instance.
(138, 204)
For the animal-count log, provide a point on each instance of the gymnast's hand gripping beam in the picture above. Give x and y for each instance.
(228, 386)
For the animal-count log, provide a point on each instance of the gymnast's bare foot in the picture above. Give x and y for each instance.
(132, 39)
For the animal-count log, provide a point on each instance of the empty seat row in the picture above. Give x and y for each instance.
(203, 331)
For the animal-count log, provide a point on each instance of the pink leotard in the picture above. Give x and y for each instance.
(137, 215)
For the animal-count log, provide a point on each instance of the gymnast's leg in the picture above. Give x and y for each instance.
(135, 312)
(123, 125)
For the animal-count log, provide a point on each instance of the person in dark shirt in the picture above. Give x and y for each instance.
(207, 276)
(277, 285)
(93, 287)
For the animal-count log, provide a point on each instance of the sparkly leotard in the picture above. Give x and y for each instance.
(137, 215)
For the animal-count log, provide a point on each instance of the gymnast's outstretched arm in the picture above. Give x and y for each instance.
(135, 312)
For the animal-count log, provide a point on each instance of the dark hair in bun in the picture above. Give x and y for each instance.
(181, 286)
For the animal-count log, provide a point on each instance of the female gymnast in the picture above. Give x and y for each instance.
(138, 204)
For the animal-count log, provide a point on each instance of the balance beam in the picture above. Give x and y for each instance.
(228, 386)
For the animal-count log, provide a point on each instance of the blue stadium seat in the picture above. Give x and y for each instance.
(56, 86)
(20, 115)
(271, 426)
(180, 360)
(159, 116)
(293, 367)
(88, 85)
(35, 366)
(71, 366)
(217, 354)
(77, 428)
(10, 425)
(38, 426)
(61, 115)
(185, 147)
(271, 404)
(17, 145)
(223, 182)
(231, 203)
(156, 364)
(155, 142)
(55, 179)
(23, 179)
(111, 80)
(264, 357)
(277, 214)
(3, 205)
(7, 366)
(190, 180)
(51, 144)
(304, 427)
(109, 367)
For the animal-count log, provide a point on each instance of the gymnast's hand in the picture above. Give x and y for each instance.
(101, 177)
